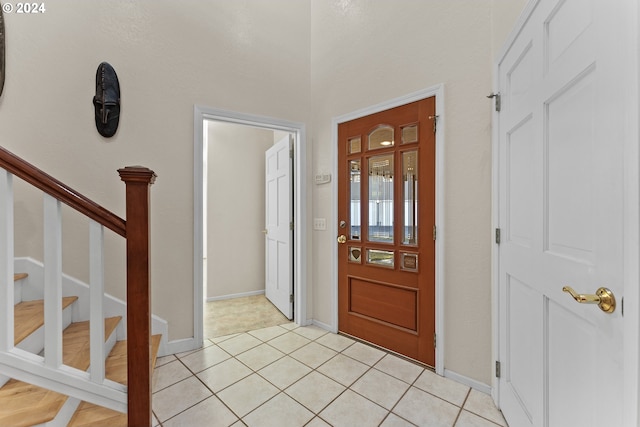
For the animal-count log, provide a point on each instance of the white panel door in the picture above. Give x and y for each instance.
(561, 202)
(278, 229)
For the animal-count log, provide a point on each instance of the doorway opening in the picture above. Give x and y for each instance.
(243, 198)
(230, 222)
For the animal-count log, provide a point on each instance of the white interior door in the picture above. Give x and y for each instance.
(278, 227)
(561, 196)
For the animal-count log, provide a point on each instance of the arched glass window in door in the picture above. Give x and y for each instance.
(381, 137)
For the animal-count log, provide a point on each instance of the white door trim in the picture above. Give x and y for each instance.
(203, 114)
(631, 212)
(438, 92)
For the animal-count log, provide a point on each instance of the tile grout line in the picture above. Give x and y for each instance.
(349, 387)
(316, 414)
(369, 368)
(213, 394)
(461, 407)
(267, 380)
(412, 384)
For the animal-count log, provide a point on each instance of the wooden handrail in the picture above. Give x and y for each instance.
(135, 230)
(48, 184)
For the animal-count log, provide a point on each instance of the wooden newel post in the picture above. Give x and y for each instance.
(138, 179)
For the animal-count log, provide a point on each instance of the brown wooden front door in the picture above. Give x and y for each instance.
(386, 220)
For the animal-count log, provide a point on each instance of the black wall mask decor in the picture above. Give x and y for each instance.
(106, 102)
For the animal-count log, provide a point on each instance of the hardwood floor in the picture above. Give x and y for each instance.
(23, 404)
(42, 405)
(89, 414)
(29, 316)
(32, 405)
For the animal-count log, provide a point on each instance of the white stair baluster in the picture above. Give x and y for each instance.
(6, 260)
(52, 282)
(96, 292)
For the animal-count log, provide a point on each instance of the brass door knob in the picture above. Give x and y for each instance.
(603, 297)
(342, 239)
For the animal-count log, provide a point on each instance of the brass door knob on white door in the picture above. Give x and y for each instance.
(603, 297)
(342, 239)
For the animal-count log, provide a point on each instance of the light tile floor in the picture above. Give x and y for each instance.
(242, 314)
(303, 376)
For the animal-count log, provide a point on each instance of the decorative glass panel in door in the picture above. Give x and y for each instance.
(410, 190)
(381, 137)
(354, 167)
(381, 198)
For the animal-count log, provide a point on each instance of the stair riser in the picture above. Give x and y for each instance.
(71, 405)
(17, 292)
(34, 343)
(32, 289)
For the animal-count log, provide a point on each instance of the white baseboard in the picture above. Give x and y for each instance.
(240, 295)
(322, 325)
(476, 385)
(189, 344)
(181, 345)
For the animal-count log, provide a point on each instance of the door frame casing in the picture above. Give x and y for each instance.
(438, 92)
(631, 210)
(203, 114)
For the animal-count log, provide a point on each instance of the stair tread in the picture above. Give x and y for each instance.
(26, 404)
(76, 346)
(29, 316)
(89, 414)
(19, 276)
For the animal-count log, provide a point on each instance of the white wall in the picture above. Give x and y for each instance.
(319, 60)
(505, 13)
(236, 192)
(364, 53)
(241, 55)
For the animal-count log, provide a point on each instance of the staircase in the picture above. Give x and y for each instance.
(89, 368)
(23, 404)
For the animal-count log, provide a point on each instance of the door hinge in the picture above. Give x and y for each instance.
(434, 340)
(290, 297)
(291, 225)
(498, 236)
(435, 233)
(435, 122)
(497, 369)
(497, 97)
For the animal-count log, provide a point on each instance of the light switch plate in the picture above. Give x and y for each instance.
(319, 224)
(322, 178)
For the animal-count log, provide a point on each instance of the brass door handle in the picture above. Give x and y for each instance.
(603, 297)
(342, 239)
(265, 231)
